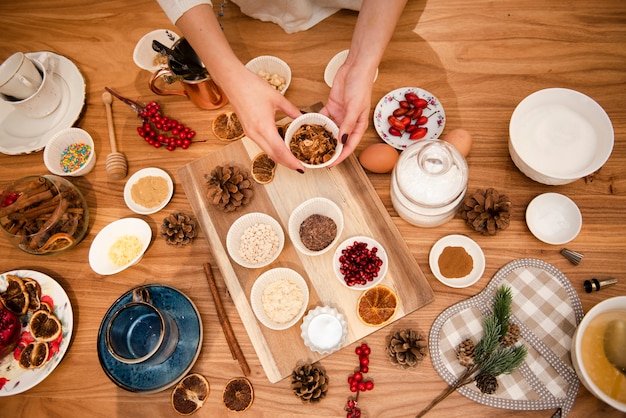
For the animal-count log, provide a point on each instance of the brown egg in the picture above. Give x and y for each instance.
(459, 139)
(379, 158)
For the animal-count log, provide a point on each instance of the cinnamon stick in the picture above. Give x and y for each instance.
(24, 201)
(225, 323)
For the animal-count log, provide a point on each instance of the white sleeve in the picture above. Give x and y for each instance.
(174, 9)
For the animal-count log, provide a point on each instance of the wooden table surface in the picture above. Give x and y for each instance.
(480, 58)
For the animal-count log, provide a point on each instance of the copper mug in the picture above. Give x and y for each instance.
(199, 87)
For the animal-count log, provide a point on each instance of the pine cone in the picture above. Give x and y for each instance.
(309, 382)
(229, 187)
(486, 211)
(512, 335)
(406, 348)
(178, 229)
(465, 352)
(487, 383)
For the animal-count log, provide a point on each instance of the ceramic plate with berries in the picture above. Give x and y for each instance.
(408, 114)
(14, 378)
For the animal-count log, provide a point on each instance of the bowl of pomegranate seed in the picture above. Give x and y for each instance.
(360, 263)
(408, 114)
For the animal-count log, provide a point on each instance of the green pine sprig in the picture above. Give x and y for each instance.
(490, 356)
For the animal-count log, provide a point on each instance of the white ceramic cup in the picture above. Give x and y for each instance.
(19, 77)
(44, 100)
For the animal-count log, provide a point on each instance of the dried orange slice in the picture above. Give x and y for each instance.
(15, 298)
(34, 293)
(377, 306)
(263, 168)
(238, 394)
(44, 326)
(57, 242)
(34, 355)
(190, 394)
(227, 127)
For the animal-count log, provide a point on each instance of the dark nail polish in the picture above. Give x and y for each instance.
(344, 139)
(301, 171)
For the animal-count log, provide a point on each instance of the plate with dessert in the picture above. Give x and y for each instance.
(36, 324)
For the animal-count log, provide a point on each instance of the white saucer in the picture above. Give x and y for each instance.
(472, 248)
(553, 218)
(22, 135)
(150, 171)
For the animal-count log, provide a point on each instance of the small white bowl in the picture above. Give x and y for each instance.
(272, 276)
(471, 247)
(557, 136)
(553, 218)
(271, 65)
(617, 303)
(147, 58)
(319, 206)
(99, 251)
(59, 142)
(324, 330)
(334, 64)
(147, 172)
(371, 243)
(315, 119)
(237, 229)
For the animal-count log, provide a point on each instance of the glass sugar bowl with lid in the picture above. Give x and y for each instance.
(429, 182)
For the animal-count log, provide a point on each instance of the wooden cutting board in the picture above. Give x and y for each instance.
(364, 214)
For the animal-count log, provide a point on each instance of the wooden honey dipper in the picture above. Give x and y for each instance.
(116, 164)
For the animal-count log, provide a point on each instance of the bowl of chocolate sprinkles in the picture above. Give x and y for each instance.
(315, 226)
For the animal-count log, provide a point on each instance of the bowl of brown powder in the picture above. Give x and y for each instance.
(148, 191)
(457, 261)
(315, 226)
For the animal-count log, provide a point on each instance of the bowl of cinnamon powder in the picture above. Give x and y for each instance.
(148, 191)
(457, 261)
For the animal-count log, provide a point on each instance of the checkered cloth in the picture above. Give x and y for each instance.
(547, 310)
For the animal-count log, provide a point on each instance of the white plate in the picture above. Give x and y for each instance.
(151, 171)
(143, 54)
(22, 135)
(99, 250)
(20, 380)
(371, 243)
(264, 280)
(553, 218)
(390, 102)
(472, 248)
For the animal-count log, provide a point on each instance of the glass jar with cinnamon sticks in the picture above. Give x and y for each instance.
(43, 214)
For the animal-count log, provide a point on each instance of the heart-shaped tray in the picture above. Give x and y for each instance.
(547, 309)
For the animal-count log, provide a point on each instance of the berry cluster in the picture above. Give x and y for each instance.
(156, 127)
(9, 198)
(408, 117)
(359, 264)
(357, 382)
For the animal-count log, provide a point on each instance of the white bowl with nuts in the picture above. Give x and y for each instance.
(279, 298)
(273, 70)
(315, 226)
(314, 139)
(255, 240)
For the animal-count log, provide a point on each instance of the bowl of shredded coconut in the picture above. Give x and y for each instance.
(119, 245)
(279, 298)
(255, 240)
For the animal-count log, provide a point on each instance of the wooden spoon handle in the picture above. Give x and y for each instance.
(107, 99)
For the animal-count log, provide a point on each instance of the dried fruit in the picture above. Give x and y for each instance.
(263, 168)
(44, 326)
(486, 211)
(238, 394)
(15, 298)
(313, 144)
(229, 188)
(377, 306)
(190, 394)
(226, 127)
(34, 355)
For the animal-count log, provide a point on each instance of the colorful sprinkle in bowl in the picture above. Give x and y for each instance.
(70, 152)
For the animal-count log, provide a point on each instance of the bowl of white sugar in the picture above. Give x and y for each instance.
(255, 240)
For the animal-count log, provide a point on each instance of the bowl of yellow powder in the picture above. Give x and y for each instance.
(148, 191)
(119, 245)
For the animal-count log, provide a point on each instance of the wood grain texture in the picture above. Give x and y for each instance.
(479, 57)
